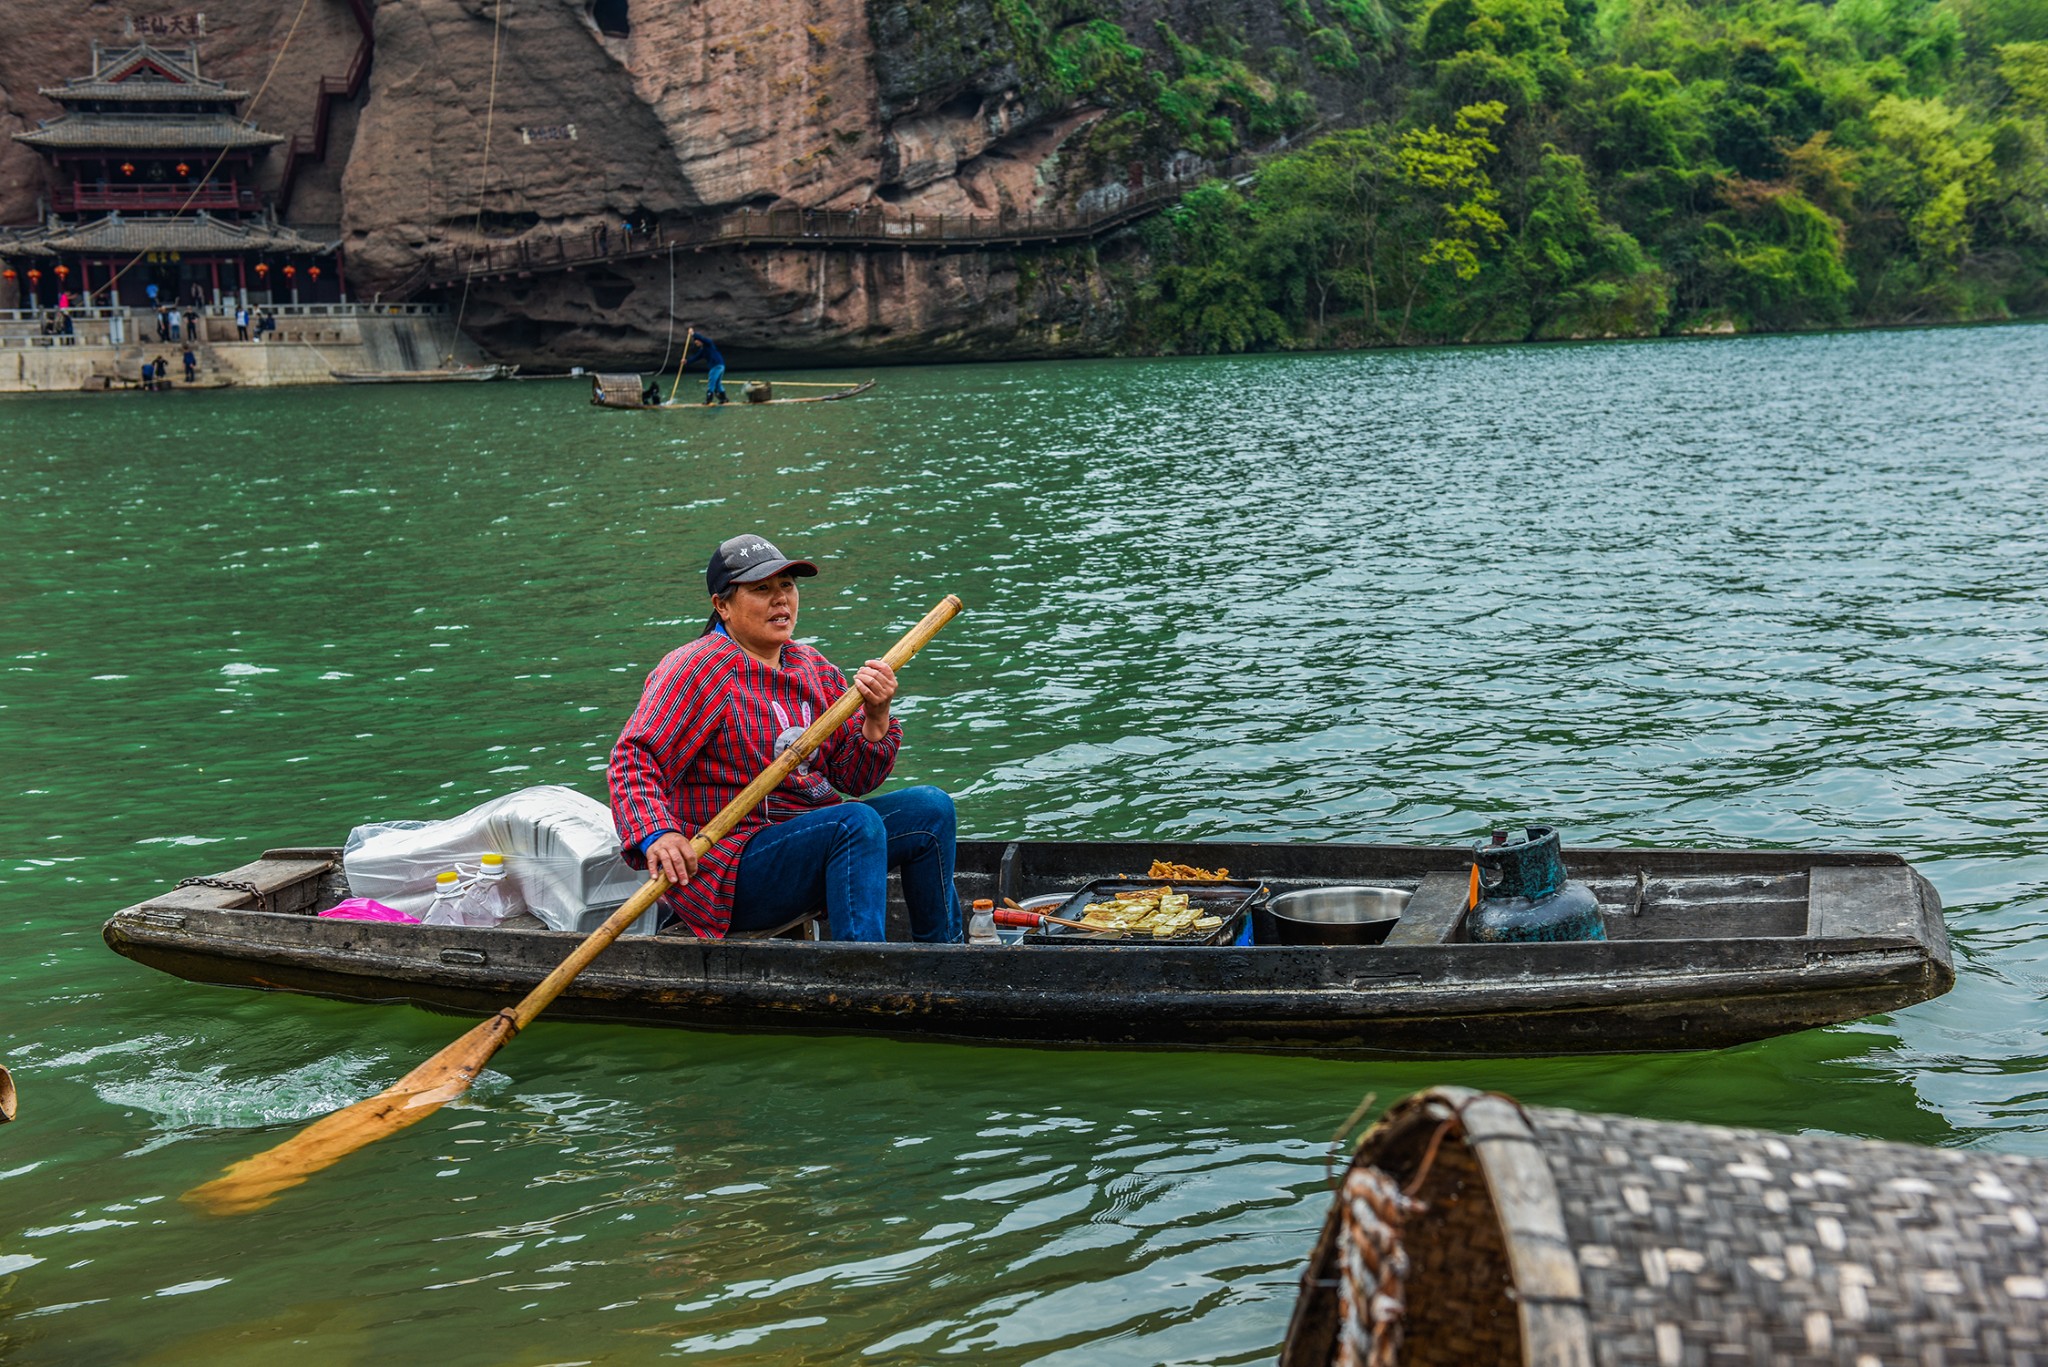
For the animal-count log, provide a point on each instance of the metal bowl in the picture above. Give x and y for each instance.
(1337, 916)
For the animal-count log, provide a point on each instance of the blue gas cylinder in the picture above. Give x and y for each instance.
(1524, 894)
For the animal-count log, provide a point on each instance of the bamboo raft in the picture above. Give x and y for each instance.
(1470, 1230)
(629, 391)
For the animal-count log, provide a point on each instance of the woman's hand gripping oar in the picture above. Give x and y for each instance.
(253, 1182)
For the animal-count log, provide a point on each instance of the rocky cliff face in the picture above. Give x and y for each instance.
(703, 108)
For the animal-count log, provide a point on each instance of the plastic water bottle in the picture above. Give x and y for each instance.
(981, 925)
(446, 908)
(489, 899)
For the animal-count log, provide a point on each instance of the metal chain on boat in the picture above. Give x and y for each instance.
(1373, 1266)
(230, 885)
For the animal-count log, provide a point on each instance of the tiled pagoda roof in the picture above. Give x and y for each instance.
(143, 72)
(142, 132)
(86, 88)
(115, 234)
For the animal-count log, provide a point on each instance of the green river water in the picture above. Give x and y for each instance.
(1759, 592)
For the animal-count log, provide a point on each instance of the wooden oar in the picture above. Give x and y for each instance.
(254, 1182)
(804, 384)
(682, 361)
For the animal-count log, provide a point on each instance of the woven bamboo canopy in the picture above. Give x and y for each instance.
(1471, 1230)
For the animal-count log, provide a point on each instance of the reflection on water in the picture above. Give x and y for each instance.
(1763, 592)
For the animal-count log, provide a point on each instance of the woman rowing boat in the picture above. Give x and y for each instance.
(715, 713)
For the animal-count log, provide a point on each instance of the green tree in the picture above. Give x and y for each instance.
(1319, 223)
(1930, 167)
(1583, 275)
(1775, 259)
(1452, 199)
(1208, 301)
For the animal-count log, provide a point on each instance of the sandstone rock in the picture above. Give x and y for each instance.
(569, 140)
(788, 307)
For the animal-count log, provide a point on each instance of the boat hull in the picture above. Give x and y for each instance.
(1444, 999)
(459, 375)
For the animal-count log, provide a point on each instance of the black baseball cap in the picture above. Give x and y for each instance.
(748, 560)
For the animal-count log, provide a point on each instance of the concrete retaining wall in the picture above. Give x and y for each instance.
(303, 350)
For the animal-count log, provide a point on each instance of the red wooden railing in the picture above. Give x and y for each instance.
(212, 194)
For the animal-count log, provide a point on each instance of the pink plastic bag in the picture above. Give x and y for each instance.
(363, 909)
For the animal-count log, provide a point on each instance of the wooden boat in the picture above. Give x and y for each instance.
(1707, 948)
(444, 375)
(628, 391)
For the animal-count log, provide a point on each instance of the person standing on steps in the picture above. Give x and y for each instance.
(242, 321)
(191, 365)
(701, 346)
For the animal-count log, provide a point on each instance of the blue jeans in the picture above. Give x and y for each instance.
(712, 382)
(839, 858)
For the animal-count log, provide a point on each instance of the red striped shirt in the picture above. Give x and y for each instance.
(705, 728)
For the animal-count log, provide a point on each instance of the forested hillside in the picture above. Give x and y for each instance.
(1571, 168)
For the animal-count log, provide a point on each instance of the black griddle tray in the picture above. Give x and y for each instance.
(1232, 900)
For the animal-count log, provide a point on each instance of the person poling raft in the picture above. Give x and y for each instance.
(699, 346)
(714, 713)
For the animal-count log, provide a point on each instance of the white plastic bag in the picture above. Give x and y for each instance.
(561, 857)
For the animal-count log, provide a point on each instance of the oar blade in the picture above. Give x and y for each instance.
(255, 1182)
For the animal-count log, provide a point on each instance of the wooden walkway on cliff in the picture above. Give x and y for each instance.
(813, 229)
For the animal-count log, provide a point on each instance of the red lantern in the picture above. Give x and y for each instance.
(262, 268)
(183, 169)
(34, 276)
(7, 274)
(127, 168)
(63, 271)
(313, 271)
(290, 271)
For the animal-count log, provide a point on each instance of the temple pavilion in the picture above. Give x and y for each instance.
(152, 181)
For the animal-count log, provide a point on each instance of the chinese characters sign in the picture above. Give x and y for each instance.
(165, 26)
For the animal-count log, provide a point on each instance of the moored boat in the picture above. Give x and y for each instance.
(1705, 948)
(445, 374)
